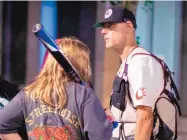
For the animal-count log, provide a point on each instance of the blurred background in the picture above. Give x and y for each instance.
(161, 29)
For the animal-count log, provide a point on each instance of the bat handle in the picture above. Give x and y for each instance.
(37, 28)
(115, 124)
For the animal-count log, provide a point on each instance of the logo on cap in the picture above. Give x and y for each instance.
(108, 13)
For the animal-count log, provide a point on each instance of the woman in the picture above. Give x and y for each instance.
(54, 107)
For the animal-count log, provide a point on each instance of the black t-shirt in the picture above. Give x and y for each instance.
(83, 115)
(7, 92)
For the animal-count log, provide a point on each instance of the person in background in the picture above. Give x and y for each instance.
(8, 91)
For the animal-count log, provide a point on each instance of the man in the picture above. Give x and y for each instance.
(7, 92)
(145, 75)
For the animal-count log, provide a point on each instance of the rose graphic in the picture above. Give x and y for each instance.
(52, 133)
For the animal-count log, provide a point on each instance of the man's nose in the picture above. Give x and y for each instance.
(104, 31)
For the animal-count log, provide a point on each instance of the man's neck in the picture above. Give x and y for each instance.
(127, 50)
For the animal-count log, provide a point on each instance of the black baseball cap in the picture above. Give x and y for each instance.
(117, 14)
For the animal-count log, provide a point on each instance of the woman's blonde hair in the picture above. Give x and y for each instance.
(49, 85)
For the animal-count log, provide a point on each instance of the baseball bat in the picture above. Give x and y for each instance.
(41, 33)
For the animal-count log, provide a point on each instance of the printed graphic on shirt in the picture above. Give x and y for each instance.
(3, 102)
(140, 93)
(47, 123)
(66, 114)
(52, 133)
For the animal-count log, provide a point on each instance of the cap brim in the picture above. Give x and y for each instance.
(99, 24)
(102, 23)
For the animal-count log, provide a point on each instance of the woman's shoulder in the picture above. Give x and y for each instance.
(80, 92)
(76, 87)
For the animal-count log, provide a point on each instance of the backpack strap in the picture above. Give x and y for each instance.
(127, 91)
(158, 59)
(167, 74)
(172, 84)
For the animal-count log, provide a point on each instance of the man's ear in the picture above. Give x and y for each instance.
(129, 27)
(129, 24)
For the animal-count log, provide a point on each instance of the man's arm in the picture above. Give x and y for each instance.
(147, 82)
(144, 124)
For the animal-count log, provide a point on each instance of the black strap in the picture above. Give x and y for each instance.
(176, 124)
(127, 93)
(174, 88)
(168, 74)
(121, 131)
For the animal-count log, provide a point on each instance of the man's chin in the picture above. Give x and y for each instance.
(108, 46)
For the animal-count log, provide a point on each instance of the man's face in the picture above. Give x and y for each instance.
(114, 34)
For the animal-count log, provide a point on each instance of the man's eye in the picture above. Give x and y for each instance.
(106, 26)
(109, 25)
